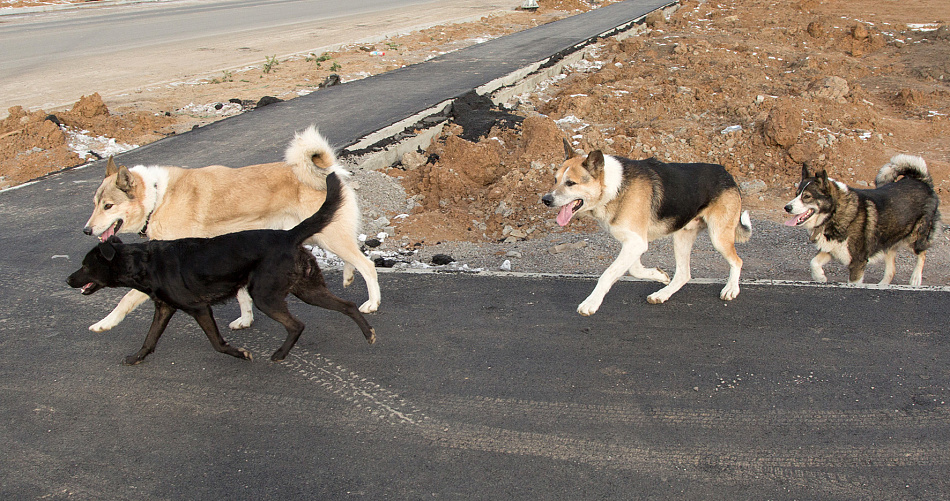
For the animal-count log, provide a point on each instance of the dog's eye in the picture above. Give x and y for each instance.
(806, 197)
(107, 206)
(569, 183)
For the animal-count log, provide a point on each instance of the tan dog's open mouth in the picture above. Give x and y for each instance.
(110, 231)
(568, 210)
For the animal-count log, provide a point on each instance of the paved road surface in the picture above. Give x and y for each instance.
(51, 60)
(479, 386)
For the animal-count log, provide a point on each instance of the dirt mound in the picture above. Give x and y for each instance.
(33, 144)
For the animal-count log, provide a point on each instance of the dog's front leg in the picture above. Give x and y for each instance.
(205, 319)
(856, 271)
(817, 266)
(633, 247)
(247, 311)
(163, 313)
(129, 302)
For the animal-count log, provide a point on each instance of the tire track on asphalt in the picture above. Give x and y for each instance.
(705, 418)
(830, 470)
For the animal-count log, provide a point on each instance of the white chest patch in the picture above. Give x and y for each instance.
(838, 250)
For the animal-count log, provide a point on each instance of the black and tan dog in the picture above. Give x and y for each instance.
(191, 274)
(857, 226)
(637, 201)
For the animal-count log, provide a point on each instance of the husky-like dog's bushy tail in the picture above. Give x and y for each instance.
(903, 165)
(312, 158)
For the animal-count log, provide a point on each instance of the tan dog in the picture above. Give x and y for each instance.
(641, 200)
(168, 203)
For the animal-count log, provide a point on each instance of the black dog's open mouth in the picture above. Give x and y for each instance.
(568, 210)
(799, 219)
(90, 288)
(112, 230)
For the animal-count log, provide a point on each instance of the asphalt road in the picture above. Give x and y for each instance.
(486, 386)
(50, 60)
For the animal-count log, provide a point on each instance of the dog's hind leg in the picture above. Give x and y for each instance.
(247, 311)
(345, 246)
(633, 247)
(890, 266)
(276, 308)
(817, 266)
(129, 302)
(163, 313)
(682, 247)
(917, 277)
(316, 293)
(725, 242)
(205, 319)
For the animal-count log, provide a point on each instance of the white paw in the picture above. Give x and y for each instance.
(102, 325)
(729, 292)
(661, 277)
(347, 278)
(658, 297)
(369, 306)
(589, 307)
(242, 322)
(818, 276)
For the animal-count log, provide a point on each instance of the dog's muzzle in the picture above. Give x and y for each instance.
(548, 200)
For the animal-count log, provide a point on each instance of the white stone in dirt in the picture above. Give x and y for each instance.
(505, 266)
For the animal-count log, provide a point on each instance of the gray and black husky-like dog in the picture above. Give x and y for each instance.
(856, 226)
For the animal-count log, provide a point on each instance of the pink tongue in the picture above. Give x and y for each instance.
(108, 233)
(793, 221)
(565, 214)
(87, 286)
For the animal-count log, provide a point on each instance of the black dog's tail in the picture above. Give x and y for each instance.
(910, 166)
(323, 217)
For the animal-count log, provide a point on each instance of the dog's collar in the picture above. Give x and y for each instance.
(144, 231)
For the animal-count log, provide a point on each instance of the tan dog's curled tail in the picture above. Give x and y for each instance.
(744, 230)
(312, 158)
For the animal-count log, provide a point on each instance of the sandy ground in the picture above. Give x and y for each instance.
(758, 87)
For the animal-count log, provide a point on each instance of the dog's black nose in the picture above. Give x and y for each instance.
(548, 199)
(788, 208)
(87, 230)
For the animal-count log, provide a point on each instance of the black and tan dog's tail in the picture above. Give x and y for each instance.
(323, 217)
(910, 166)
(744, 230)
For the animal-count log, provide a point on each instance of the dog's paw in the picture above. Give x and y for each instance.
(102, 325)
(133, 359)
(369, 306)
(247, 354)
(589, 307)
(658, 297)
(242, 322)
(729, 292)
(662, 277)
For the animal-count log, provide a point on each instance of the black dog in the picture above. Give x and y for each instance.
(191, 274)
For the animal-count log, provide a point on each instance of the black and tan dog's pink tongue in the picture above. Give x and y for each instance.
(794, 220)
(565, 214)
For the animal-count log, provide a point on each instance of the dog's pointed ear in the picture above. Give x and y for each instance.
(805, 174)
(594, 163)
(124, 180)
(107, 250)
(111, 169)
(569, 152)
(822, 177)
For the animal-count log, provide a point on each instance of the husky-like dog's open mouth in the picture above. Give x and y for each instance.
(568, 210)
(800, 219)
(111, 230)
